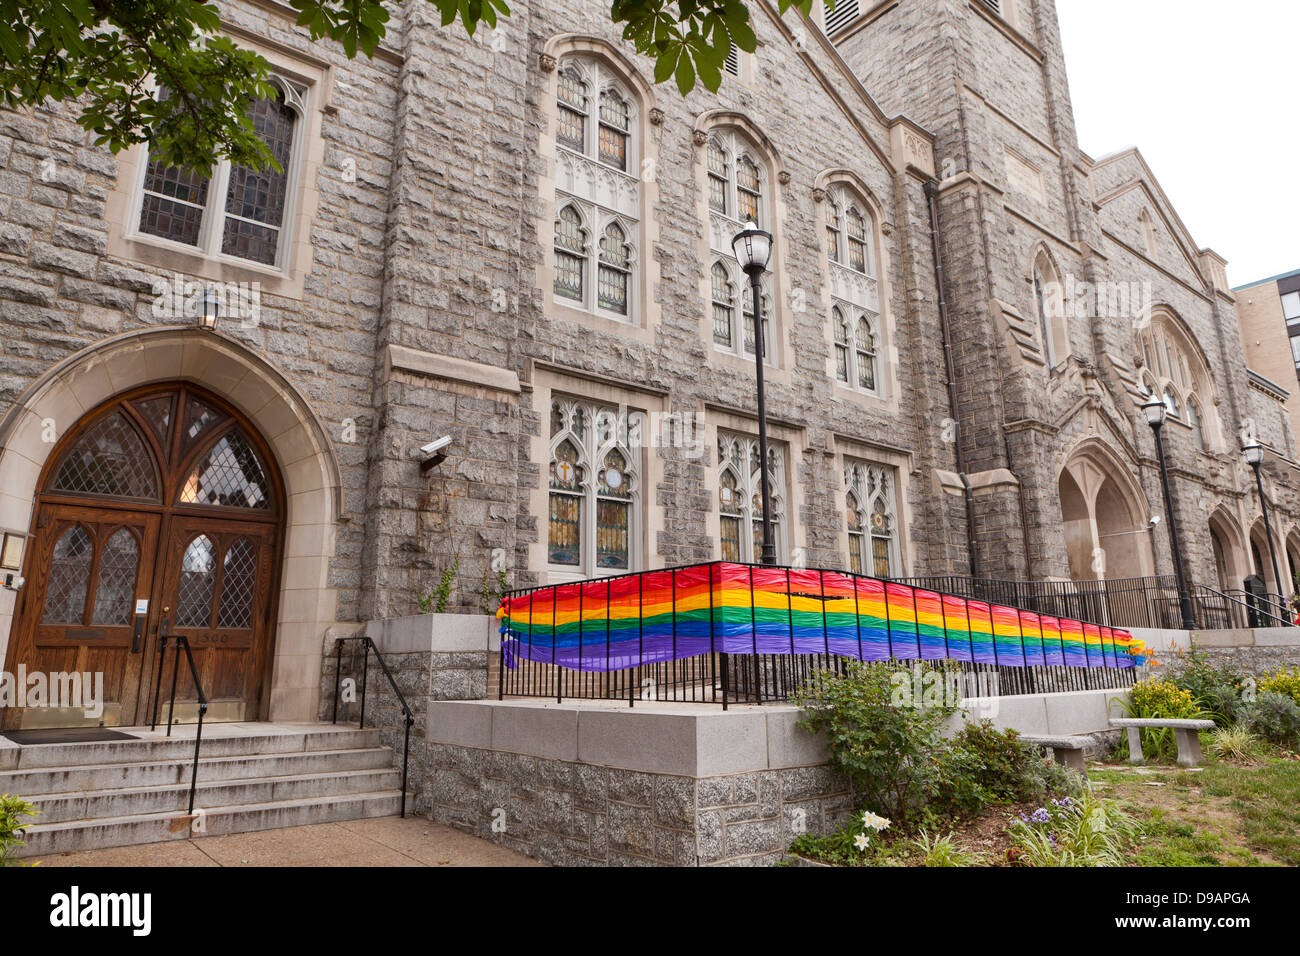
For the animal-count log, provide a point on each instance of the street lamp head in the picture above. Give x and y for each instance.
(753, 248)
(1254, 453)
(1155, 410)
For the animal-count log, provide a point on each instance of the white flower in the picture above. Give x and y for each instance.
(861, 841)
(874, 821)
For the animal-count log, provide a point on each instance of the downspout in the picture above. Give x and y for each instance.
(931, 197)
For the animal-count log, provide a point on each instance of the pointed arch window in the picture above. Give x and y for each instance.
(594, 490)
(598, 190)
(855, 298)
(1049, 310)
(872, 520)
(69, 577)
(109, 459)
(724, 305)
(236, 211)
(229, 474)
(1173, 369)
(738, 193)
(740, 501)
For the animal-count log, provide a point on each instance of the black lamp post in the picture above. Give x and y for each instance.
(753, 248)
(1254, 453)
(1154, 410)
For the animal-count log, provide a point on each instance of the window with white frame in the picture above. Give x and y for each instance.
(737, 194)
(873, 525)
(598, 190)
(237, 211)
(594, 481)
(740, 497)
(855, 293)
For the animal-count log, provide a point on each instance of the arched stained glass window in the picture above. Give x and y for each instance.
(570, 255)
(740, 501)
(723, 305)
(198, 579)
(110, 458)
(115, 589)
(615, 269)
(228, 474)
(869, 499)
(69, 579)
(239, 574)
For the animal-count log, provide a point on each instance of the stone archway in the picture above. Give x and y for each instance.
(1291, 564)
(1262, 560)
(1229, 551)
(295, 436)
(1105, 516)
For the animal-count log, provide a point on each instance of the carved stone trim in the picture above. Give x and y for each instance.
(819, 195)
(546, 62)
(783, 178)
(699, 137)
(656, 116)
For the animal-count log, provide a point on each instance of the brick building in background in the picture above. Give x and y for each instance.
(519, 242)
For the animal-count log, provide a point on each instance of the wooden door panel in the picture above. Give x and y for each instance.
(78, 610)
(216, 592)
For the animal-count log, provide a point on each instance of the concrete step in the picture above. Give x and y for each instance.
(219, 740)
(110, 776)
(122, 802)
(44, 839)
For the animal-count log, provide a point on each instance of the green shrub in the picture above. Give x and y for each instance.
(1217, 688)
(998, 761)
(1285, 682)
(1161, 699)
(12, 810)
(1048, 779)
(1276, 718)
(886, 751)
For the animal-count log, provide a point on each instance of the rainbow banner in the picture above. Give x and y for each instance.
(609, 624)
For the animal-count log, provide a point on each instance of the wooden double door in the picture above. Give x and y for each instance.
(159, 513)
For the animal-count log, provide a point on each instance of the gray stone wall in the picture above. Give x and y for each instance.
(575, 814)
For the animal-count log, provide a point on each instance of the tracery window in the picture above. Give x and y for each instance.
(872, 522)
(855, 305)
(594, 481)
(1173, 369)
(598, 190)
(740, 500)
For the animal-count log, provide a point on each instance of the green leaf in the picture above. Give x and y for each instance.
(685, 74)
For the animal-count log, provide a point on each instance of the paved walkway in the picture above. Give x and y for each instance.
(380, 841)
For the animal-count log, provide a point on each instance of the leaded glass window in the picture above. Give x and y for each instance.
(256, 199)
(238, 577)
(598, 190)
(115, 588)
(237, 210)
(834, 240)
(841, 327)
(570, 254)
(571, 92)
(747, 306)
(615, 267)
(228, 474)
(869, 500)
(69, 578)
(198, 579)
(108, 459)
(594, 485)
(865, 357)
(747, 191)
(723, 305)
(719, 177)
(740, 502)
(1173, 367)
(615, 128)
(857, 228)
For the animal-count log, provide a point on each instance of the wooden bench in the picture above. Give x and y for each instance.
(1186, 732)
(1067, 751)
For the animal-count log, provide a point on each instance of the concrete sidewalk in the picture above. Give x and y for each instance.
(379, 841)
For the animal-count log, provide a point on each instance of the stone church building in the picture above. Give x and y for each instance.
(214, 391)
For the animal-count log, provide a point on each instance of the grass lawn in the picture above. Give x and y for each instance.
(1219, 814)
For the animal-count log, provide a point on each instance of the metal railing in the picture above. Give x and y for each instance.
(367, 646)
(752, 679)
(1125, 602)
(182, 643)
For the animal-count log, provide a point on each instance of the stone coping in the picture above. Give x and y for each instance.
(1056, 743)
(694, 740)
(435, 633)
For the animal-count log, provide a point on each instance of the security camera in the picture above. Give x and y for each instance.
(14, 582)
(434, 454)
(1154, 520)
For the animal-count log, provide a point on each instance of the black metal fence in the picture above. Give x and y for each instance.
(1126, 602)
(751, 679)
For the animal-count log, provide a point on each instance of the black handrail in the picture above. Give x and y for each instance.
(367, 646)
(181, 642)
(1254, 606)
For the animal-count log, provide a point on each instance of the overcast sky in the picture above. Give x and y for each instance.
(1209, 91)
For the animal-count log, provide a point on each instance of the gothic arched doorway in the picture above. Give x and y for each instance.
(161, 508)
(1107, 532)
